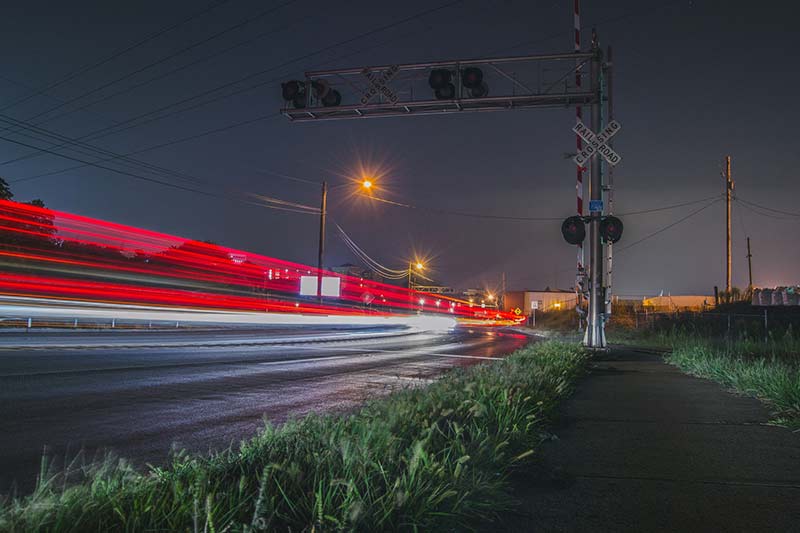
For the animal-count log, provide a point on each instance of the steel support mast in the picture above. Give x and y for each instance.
(595, 327)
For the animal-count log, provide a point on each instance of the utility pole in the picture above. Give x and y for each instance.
(595, 331)
(410, 265)
(728, 191)
(323, 208)
(749, 267)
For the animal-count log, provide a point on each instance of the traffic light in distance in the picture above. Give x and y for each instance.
(574, 230)
(440, 82)
(295, 92)
(472, 80)
(291, 89)
(332, 98)
(611, 229)
(327, 96)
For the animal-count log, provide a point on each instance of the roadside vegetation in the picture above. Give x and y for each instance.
(738, 352)
(768, 370)
(420, 459)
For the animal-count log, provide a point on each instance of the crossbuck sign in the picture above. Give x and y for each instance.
(596, 143)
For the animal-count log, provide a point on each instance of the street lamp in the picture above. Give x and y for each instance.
(411, 266)
(323, 215)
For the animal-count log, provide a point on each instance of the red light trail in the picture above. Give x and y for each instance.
(52, 254)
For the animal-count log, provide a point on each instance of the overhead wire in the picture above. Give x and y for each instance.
(372, 264)
(159, 61)
(114, 55)
(528, 219)
(305, 209)
(129, 123)
(212, 131)
(665, 228)
(765, 208)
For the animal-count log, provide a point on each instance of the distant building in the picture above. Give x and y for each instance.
(543, 300)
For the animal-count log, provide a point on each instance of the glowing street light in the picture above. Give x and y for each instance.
(366, 184)
(411, 266)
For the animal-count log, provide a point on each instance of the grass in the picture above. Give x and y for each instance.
(421, 459)
(769, 371)
(766, 369)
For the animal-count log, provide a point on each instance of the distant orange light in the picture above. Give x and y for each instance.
(367, 184)
(420, 266)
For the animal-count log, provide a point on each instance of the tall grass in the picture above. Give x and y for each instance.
(420, 459)
(768, 370)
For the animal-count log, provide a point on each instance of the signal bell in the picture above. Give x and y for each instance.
(611, 229)
(574, 230)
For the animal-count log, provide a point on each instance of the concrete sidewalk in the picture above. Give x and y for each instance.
(644, 447)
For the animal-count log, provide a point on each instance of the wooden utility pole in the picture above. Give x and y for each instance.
(749, 267)
(728, 191)
(323, 212)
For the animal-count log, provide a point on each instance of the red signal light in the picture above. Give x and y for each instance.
(574, 230)
(611, 229)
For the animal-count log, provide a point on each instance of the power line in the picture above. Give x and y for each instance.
(152, 79)
(665, 228)
(765, 208)
(212, 131)
(305, 209)
(527, 219)
(82, 70)
(675, 206)
(110, 130)
(372, 264)
(161, 60)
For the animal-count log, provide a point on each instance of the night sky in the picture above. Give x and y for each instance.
(695, 81)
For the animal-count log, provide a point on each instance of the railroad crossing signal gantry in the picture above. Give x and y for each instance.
(466, 85)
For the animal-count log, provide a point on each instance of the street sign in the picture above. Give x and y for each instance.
(596, 143)
(517, 311)
(535, 304)
(595, 206)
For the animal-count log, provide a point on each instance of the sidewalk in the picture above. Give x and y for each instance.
(644, 447)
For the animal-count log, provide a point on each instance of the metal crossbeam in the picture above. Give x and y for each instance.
(402, 90)
(433, 107)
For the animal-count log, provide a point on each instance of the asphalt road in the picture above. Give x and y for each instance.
(141, 393)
